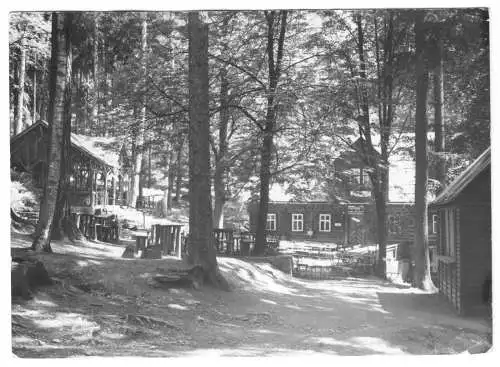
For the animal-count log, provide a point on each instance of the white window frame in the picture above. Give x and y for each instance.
(326, 221)
(271, 219)
(364, 177)
(356, 176)
(297, 222)
(435, 223)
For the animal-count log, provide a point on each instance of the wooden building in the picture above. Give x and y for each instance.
(319, 221)
(350, 218)
(343, 224)
(100, 167)
(464, 245)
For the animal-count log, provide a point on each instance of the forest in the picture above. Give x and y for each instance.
(218, 106)
(143, 142)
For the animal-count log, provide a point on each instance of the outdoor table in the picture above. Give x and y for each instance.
(141, 237)
(84, 221)
(98, 224)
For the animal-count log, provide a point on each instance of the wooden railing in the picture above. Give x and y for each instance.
(168, 238)
(235, 243)
(148, 202)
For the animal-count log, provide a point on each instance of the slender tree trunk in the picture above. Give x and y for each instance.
(265, 178)
(34, 90)
(178, 171)
(43, 104)
(150, 178)
(201, 249)
(142, 180)
(274, 71)
(439, 138)
(15, 98)
(140, 129)
(168, 193)
(20, 99)
(59, 71)
(220, 159)
(378, 175)
(63, 210)
(171, 177)
(422, 275)
(94, 113)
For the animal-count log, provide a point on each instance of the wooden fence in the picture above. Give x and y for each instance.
(168, 238)
(235, 243)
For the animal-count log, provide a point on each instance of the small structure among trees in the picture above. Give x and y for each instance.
(464, 240)
(99, 167)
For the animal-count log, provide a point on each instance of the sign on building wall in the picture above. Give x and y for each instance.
(355, 209)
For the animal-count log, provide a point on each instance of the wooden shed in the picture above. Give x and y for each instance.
(464, 240)
(99, 176)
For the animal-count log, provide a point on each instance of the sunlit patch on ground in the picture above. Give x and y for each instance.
(103, 305)
(177, 307)
(376, 344)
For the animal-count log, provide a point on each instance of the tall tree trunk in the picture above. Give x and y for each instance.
(150, 173)
(178, 171)
(34, 90)
(201, 249)
(139, 142)
(142, 180)
(220, 158)
(15, 98)
(422, 275)
(274, 71)
(168, 193)
(439, 139)
(265, 179)
(59, 71)
(171, 177)
(94, 112)
(19, 125)
(378, 175)
(43, 103)
(62, 221)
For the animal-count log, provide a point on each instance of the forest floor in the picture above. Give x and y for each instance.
(103, 305)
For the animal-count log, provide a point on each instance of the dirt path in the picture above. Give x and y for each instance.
(103, 305)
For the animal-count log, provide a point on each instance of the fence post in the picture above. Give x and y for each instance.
(178, 241)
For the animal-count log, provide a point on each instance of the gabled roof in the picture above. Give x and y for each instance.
(451, 192)
(105, 150)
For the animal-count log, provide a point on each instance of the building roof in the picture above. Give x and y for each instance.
(104, 150)
(451, 192)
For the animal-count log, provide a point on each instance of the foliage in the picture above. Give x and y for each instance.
(317, 98)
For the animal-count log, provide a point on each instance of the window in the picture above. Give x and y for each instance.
(394, 224)
(297, 222)
(355, 176)
(325, 221)
(271, 222)
(365, 178)
(81, 179)
(435, 223)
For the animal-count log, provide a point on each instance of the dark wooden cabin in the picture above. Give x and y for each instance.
(99, 176)
(464, 245)
(343, 224)
(320, 221)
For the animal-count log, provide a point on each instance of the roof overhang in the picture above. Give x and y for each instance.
(451, 192)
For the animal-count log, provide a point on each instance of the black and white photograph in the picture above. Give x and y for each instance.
(249, 182)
